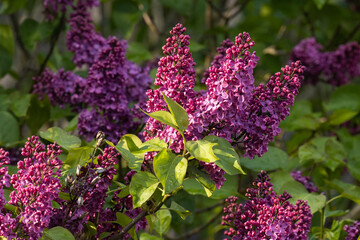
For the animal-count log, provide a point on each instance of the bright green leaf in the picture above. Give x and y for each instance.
(179, 113)
(319, 3)
(152, 145)
(9, 128)
(161, 220)
(229, 160)
(164, 117)
(202, 150)
(58, 233)
(182, 212)
(170, 169)
(77, 156)
(345, 97)
(134, 160)
(142, 187)
(203, 178)
(147, 236)
(340, 116)
(62, 138)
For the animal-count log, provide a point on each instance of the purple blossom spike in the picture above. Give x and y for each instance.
(353, 231)
(304, 180)
(82, 39)
(266, 215)
(36, 185)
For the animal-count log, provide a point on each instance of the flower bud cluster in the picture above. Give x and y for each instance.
(336, 68)
(305, 180)
(353, 231)
(266, 215)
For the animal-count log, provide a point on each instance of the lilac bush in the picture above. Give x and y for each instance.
(304, 180)
(336, 68)
(353, 231)
(266, 215)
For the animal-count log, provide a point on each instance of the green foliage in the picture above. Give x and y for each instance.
(9, 128)
(61, 137)
(142, 187)
(58, 233)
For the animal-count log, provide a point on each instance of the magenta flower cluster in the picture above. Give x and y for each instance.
(336, 68)
(36, 185)
(266, 215)
(113, 84)
(231, 107)
(305, 180)
(353, 231)
(53, 7)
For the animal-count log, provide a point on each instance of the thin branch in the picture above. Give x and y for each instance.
(15, 24)
(209, 208)
(148, 20)
(211, 4)
(352, 33)
(54, 37)
(198, 229)
(239, 10)
(140, 216)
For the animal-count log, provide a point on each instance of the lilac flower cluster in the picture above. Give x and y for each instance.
(336, 68)
(353, 231)
(112, 86)
(82, 39)
(266, 215)
(36, 185)
(52, 7)
(305, 180)
(231, 107)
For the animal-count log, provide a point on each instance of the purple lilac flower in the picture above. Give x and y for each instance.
(112, 85)
(304, 180)
(36, 185)
(268, 106)
(336, 67)
(82, 39)
(52, 7)
(63, 87)
(353, 231)
(266, 215)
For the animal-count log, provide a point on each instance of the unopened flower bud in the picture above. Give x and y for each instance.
(100, 170)
(95, 180)
(80, 201)
(100, 136)
(78, 170)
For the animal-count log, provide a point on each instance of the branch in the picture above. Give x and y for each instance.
(54, 37)
(15, 24)
(212, 6)
(209, 208)
(196, 230)
(141, 215)
(352, 34)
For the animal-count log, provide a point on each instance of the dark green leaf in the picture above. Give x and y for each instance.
(29, 33)
(9, 128)
(58, 233)
(347, 190)
(202, 150)
(142, 187)
(7, 38)
(182, 212)
(179, 113)
(90, 229)
(273, 159)
(319, 3)
(138, 53)
(170, 169)
(20, 104)
(124, 220)
(77, 156)
(5, 61)
(229, 160)
(11, 6)
(345, 97)
(38, 113)
(62, 138)
(203, 178)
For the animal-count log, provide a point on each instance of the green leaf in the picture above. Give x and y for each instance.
(20, 104)
(284, 182)
(90, 229)
(182, 212)
(201, 177)
(319, 3)
(61, 137)
(230, 188)
(77, 156)
(7, 38)
(179, 113)
(202, 150)
(170, 169)
(142, 187)
(124, 220)
(138, 53)
(340, 116)
(5, 61)
(161, 220)
(11, 6)
(58, 233)
(134, 160)
(273, 159)
(146, 236)
(72, 124)
(353, 158)
(29, 33)
(152, 145)
(164, 117)
(9, 128)
(345, 97)
(229, 160)
(347, 190)
(38, 113)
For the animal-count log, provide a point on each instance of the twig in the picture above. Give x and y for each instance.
(211, 4)
(140, 216)
(352, 33)
(196, 230)
(239, 10)
(15, 24)
(148, 20)
(209, 208)
(54, 37)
